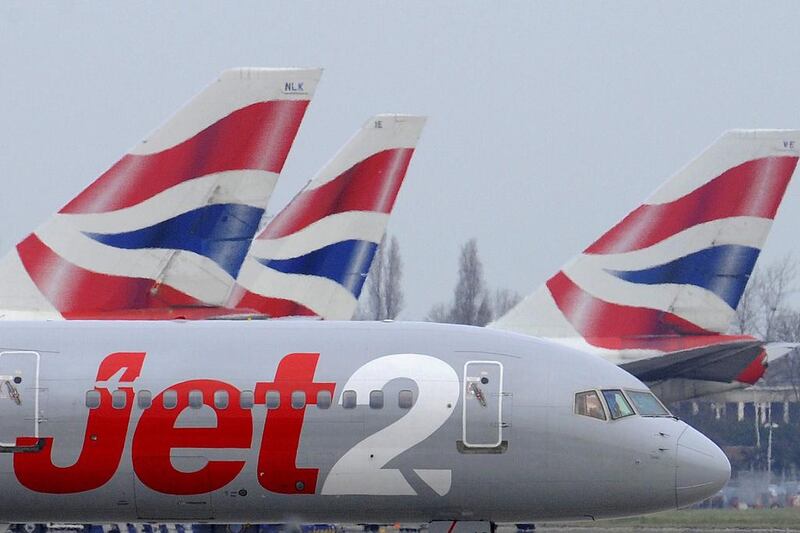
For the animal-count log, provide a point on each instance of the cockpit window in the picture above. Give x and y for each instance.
(647, 404)
(588, 404)
(618, 406)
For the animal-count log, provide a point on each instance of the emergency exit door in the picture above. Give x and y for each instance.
(483, 404)
(19, 399)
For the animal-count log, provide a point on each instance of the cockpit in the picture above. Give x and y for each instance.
(618, 403)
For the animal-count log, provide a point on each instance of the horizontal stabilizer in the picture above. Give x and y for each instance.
(720, 362)
(776, 350)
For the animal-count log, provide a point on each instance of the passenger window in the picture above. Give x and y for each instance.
(405, 399)
(273, 399)
(376, 399)
(92, 399)
(647, 404)
(323, 399)
(119, 399)
(298, 399)
(349, 399)
(170, 399)
(195, 399)
(221, 399)
(618, 406)
(588, 404)
(145, 399)
(246, 399)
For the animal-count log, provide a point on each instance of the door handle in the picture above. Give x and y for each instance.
(34, 448)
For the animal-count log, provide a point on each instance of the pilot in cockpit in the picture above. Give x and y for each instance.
(594, 407)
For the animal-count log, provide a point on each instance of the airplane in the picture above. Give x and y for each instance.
(306, 421)
(313, 257)
(657, 293)
(163, 233)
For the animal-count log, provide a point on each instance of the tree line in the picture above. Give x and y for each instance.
(767, 311)
(473, 302)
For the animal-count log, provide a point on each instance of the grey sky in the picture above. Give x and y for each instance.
(548, 121)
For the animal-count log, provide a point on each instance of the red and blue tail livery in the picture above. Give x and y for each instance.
(669, 276)
(168, 226)
(312, 259)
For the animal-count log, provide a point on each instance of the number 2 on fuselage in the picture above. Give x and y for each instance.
(360, 470)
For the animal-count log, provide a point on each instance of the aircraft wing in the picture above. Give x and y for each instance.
(719, 362)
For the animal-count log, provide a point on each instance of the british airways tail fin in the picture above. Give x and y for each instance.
(672, 271)
(313, 257)
(170, 223)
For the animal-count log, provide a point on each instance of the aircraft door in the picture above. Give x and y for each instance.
(19, 400)
(483, 404)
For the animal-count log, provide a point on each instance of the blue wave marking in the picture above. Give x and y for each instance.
(723, 270)
(346, 262)
(220, 232)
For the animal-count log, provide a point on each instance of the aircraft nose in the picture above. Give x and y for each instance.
(702, 468)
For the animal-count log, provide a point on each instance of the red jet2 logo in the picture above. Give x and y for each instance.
(156, 435)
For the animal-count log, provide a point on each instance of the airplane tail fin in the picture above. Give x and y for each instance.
(170, 223)
(313, 257)
(676, 266)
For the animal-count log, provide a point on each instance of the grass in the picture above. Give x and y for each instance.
(788, 518)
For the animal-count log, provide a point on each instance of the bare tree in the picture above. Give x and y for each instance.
(393, 292)
(787, 326)
(747, 310)
(439, 313)
(471, 303)
(382, 297)
(764, 312)
(776, 283)
(369, 302)
(787, 368)
(503, 300)
(764, 301)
